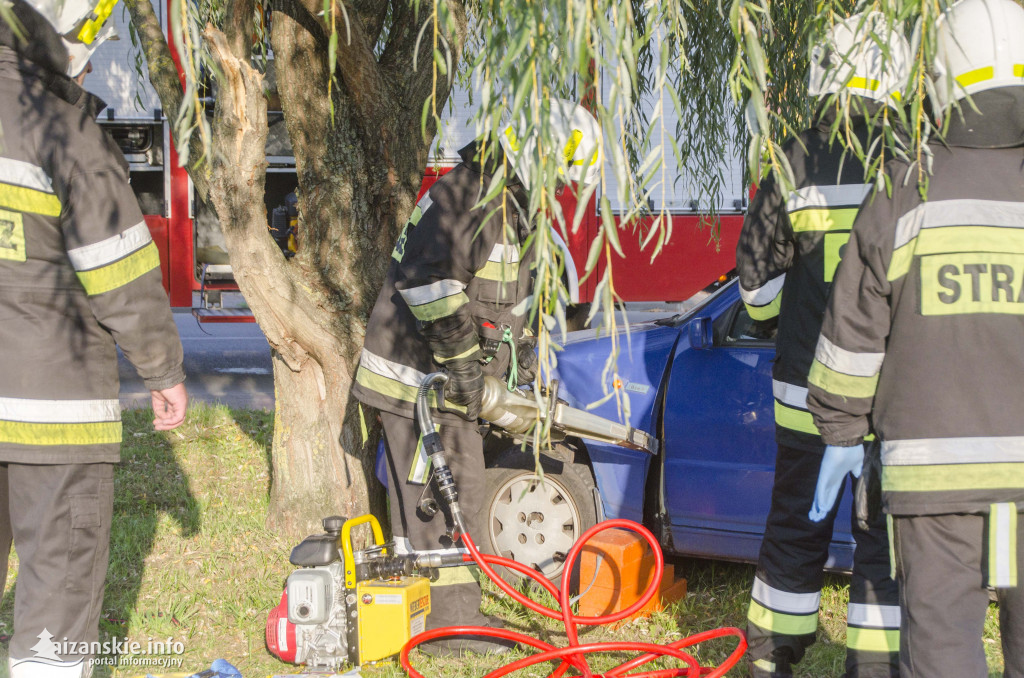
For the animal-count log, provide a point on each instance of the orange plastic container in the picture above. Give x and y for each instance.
(616, 567)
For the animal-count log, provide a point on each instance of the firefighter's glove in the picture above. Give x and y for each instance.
(526, 356)
(835, 465)
(465, 385)
(867, 490)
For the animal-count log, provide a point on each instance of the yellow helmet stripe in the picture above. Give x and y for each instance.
(513, 140)
(95, 22)
(570, 147)
(977, 75)
(863, 83)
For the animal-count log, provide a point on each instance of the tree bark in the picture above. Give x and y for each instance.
(163, 74)
(319, 464)
(359, 157)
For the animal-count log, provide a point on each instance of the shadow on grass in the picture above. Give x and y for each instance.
(148, 485)
(253, 424)
(718, 595)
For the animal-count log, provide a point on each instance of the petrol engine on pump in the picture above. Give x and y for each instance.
(359, 606)
(349, 606)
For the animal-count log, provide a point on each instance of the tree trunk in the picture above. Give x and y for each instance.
(358, 178)
(359, 155)
(319, 461)
(309, 436)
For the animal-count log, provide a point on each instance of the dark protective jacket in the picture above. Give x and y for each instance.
(924, 333)
(78, 272)
(456, 271)
(787, 254)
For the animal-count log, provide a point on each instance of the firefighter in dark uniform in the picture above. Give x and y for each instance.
(448, 303)
(787, 254)
(79, 273)
(923, 342)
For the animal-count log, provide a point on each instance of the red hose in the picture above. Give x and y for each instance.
(574, 655)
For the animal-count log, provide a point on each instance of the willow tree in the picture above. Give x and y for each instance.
(363, 83)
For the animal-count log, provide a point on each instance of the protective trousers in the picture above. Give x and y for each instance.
(944, 564)
(783, 618)
(59, 517)
(456, 595)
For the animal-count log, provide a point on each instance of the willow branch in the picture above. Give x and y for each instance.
(166, 80)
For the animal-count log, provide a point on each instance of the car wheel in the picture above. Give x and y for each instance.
(536, 521)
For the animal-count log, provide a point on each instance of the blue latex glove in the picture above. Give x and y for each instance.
(837, 462)
(219, 669)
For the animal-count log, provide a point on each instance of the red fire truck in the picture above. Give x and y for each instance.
(196, 270)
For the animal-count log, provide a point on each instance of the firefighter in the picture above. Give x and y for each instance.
(788, 251)
(448, 303)
(79, 273)
(922, 340)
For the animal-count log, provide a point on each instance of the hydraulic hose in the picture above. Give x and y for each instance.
(574, 655)
(434, 448)
(424, 417)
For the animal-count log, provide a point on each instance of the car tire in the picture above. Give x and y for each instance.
(537, 521)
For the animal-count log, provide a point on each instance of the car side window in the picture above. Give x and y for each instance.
(745, 330)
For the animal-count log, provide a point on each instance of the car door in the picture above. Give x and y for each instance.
(719, 433)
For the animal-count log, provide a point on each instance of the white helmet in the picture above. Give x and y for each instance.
(573, 129)
(864, 56)
(980, 47)
(80, 24)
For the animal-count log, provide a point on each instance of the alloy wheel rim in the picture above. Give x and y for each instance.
(533, 522)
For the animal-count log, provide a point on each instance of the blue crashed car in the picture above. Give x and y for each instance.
(701, 382)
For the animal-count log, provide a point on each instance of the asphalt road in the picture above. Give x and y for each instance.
(230, 362)
(225, 362)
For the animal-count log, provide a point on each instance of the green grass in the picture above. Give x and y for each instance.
(191, 560)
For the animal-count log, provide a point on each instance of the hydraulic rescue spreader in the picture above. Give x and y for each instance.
(359, 606)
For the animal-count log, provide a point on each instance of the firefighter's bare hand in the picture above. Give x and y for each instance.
(169, 407)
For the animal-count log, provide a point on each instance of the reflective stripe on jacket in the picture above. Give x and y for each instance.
(78, 271)
(786, 257)
(454, 262)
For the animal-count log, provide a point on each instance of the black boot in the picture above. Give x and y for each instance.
(459, 605)
(771, 668)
